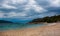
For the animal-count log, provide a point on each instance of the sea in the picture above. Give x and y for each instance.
(4, 27)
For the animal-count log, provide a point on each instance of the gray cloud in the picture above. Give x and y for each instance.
(28, 8)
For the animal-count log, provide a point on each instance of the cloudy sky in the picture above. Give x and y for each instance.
(28, 9)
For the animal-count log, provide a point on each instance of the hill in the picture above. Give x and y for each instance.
(47, 19)
(4, 21)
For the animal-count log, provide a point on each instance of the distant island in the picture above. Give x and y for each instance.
(4, 21)
(47, 19)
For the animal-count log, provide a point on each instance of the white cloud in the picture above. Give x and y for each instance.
(22, 14)
(32, 4)
(17, 15)
(2, 15)
(8, 6)
(5, 4)
(54, 3)
(39, 9)
(16, 1)
(12, 15)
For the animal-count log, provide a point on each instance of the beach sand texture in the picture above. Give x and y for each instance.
(49, 30)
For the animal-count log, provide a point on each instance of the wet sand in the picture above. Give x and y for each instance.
(52, 29)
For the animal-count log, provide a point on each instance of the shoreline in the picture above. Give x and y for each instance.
(24, 27)
(52, 29)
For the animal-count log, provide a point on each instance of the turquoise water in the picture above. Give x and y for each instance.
(18, 26)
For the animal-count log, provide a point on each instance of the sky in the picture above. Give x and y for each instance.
(24, 10)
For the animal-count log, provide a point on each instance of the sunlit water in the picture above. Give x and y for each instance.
(18, 26)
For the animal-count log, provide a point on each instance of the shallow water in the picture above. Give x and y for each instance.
(17, 26)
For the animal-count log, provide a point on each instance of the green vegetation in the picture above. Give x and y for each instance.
(47, 19)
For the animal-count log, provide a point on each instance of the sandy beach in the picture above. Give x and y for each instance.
(52, 29)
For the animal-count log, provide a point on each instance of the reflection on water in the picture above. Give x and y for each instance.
(17, 26)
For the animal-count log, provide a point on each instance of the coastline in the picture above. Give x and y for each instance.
(52, 29)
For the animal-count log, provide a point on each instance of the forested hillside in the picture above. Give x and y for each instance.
(47, 19)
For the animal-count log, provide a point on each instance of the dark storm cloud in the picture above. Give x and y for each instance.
(51, 6)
